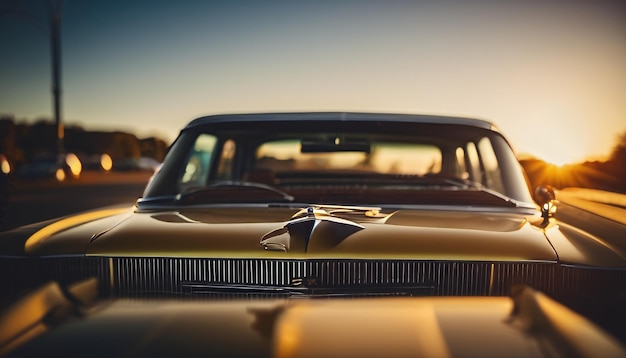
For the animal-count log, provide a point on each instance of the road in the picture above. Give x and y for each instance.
(31, 202)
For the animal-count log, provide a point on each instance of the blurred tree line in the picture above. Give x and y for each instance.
(607, 175)
(21, 142)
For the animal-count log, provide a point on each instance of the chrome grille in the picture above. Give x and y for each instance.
(137, 275)
(447, 277)
(541, 276)
(586, 283)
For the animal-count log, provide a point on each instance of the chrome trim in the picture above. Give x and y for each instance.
(491, 269)
(139, 275)
(448, 277)
(300, 230)
(111, 274)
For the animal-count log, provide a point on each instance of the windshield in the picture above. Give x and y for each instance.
(339, 164)
(284, 156)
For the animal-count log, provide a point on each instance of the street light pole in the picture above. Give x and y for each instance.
(54, 12)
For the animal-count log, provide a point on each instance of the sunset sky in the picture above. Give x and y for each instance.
(550, 74)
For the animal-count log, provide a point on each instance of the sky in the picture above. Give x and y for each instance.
(550, 74)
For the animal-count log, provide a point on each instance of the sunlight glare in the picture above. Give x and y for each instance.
(560, 153)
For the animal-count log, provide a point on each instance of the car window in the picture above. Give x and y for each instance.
(479, 163)
(225, 166)
(462, 171)
(473, 162)
(198, 164)
(383, 158)
(492, 176)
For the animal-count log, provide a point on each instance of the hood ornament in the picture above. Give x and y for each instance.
(310, 229)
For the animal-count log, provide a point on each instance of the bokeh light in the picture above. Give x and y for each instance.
(74, 164)
(5, 166)
(106, 162)
(60, 174)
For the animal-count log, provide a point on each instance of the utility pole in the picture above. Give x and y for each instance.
(54, 14)
(54, 10)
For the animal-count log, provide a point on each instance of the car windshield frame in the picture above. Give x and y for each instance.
(325, 137)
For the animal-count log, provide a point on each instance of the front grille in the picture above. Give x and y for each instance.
(587, 283)
(140, 275)
(446, 277)
(540, 276)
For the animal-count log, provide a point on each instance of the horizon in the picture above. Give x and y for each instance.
(521, 156)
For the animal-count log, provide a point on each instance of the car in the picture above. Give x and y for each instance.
(367, 207)
(51, 166)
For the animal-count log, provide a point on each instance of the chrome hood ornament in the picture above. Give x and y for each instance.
(310, 228)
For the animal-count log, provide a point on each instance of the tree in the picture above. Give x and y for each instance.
(619, 152)
(617, 160)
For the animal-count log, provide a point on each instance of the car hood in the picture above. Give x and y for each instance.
(290, 233)
(262, 232)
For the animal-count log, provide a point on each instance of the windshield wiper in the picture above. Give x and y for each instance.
(233, 192)
(468, 184)
(452, 181)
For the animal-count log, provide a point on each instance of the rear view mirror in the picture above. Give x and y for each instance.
(336, 145)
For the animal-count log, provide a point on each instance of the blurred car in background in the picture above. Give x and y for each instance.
(51, 166)
(135, 164)
(97, 162)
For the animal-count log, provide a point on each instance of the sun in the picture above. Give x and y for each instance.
(560, 155)
(559, 162)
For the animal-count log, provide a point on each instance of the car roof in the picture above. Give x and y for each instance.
(341, 116)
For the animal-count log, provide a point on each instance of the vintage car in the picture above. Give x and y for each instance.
(289, 206)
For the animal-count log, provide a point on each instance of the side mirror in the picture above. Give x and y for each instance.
(544, 195)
